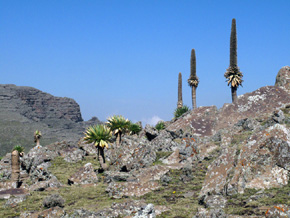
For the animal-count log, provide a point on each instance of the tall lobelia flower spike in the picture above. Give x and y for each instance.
(193, 79)
(233, 74)
(179, 102)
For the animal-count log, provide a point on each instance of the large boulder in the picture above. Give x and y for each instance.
(85, 175)
(144, 181)
(146, 212)
(217, 173)
(149, 132)
(5, 168)
(283, 78)
(200, 122)
(43, 185)
(207, 121)
(36, 163)
(259, 161)
(134, 153)
(257, 104)
(263, 161)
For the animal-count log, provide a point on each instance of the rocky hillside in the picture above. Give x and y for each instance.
(232, 162)
(25, 109)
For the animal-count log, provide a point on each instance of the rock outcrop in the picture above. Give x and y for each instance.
(283, 78)
(207, 121)
(84, 175)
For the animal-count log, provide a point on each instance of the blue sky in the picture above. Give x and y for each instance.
(123, 57)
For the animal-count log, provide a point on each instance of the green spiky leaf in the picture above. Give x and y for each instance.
(134, 128)
(160, 125)
(100, 135)
(18, 148)
(179, 111)
(118, 124)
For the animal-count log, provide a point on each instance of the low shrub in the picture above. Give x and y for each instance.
(134, 128)
(160, 125)
(53, 201)
(179, 111)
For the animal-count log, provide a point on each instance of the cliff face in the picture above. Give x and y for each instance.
(36, 105)
(25, 109)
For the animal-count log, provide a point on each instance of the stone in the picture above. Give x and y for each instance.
(164, 141)
(278, 211)
(116, 176)
(281, 151)
(55, 212)
(135, 153)
(199, 122)
(85, 175)
(8, 185)
(258, 195)
(174, 158)
(139, 123)
(128, 208)
(217, 173)
(187, 173)
(146, 180)
(278, 116)
(165, 180)
(207, 121)
(188, 194)
(82, 213)
(54, 200)
(74, 155)
(13, 192)
(90, 149)
(283, 78)
(213, 213)
(257, 165)
(248, 124)
(35, 157)
(214, 201)
(14, 201)
(43, 185)
(147, 212)
(69, 150)
(149, 132)
(260, 161)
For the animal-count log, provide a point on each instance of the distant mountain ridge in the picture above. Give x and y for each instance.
(25, 109)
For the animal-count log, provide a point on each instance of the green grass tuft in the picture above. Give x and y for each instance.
(179, 111)
(160, 125)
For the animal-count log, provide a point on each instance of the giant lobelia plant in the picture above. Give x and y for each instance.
(118, 125)
(100, 136)
(233, 74)
(179, 102)
(193, 79)
(37, 137)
